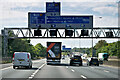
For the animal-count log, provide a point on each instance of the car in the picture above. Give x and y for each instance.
(63, 57)
(76, 59)
(93, 61)
(22, 59)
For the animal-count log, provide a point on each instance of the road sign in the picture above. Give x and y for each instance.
(34, 19)
(53, 7)
(68, 19)
(65, 49)
(62, 22)
(53, 19)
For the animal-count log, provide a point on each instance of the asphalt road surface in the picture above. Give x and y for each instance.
(42, 70)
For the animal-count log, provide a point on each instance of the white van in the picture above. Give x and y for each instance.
(22, 59)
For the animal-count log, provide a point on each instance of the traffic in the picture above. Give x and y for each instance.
(78, 40)
(58, 65)
(54, 56)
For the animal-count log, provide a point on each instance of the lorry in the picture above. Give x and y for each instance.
(103, 56)
(53, 52)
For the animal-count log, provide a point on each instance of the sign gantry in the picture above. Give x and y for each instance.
(64, 33)
(51, 24)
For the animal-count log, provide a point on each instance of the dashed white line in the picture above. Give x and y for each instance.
(30, 77)
(92, 67)
(83, 77)
(106, 71)
(67, 67)
(72, 70)
(36, 71)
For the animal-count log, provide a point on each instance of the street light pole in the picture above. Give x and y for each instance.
(93, 52)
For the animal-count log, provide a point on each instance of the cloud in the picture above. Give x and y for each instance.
(106, 10)
(59, 0)
(101, 8)
(16, 12)
(105, 21)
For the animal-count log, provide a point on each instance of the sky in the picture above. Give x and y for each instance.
(14, 13)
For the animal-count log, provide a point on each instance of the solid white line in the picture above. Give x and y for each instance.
(6, 68)
(83, 77)
(106, 71)
(72, 70)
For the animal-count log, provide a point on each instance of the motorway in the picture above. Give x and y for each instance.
(41, 70)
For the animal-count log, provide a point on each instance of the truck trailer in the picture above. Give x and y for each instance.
(53, 52)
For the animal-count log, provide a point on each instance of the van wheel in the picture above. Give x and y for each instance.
(13, 67)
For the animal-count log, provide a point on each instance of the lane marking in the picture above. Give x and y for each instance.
(6, 68)
(30, 77)
(33, 74)
(83, 77)
(92, 67)
(67, 67)
(106, 71)
(12, 66)
(72, 70)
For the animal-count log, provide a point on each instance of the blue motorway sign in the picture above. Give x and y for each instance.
(36, 18)
(65, 49)
(67, 19)
(48, 20)
(53, 7)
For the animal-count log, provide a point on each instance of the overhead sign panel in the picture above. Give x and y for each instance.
(36, 18)
(53, 19)
(68, 19)
(53, 7)
(63, 22)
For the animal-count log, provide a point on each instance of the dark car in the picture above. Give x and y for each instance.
(93, 61)
(63, 57)
(76, 60)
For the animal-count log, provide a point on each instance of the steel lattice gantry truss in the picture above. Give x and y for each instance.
(61, 33)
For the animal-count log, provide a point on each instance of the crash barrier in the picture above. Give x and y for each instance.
(6, 59)
(114, 62)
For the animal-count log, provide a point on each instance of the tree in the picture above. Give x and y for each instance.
(100, 44)
(40, 50)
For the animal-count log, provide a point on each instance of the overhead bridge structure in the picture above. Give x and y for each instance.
(51, 24)
(63, 33)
